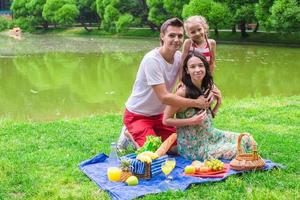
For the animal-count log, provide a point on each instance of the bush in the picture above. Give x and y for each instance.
(25, 23)
(3, 23)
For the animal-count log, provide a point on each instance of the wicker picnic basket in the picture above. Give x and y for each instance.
(161, 151)
(246, 161)
(147, 173)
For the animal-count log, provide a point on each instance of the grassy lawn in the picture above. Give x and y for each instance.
(40, 160)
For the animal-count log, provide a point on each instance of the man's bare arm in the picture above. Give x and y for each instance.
(168, 98)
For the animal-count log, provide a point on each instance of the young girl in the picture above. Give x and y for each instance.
(199, 140)
(196, 29)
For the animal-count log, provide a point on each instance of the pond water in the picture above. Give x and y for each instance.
(52, 77)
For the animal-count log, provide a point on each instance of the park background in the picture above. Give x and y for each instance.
(64, 83)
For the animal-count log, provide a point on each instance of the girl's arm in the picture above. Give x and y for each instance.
(185, 51)
(218, 97)
(213, 46)
(170, 111)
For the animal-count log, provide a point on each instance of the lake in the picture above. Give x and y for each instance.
(46, 77)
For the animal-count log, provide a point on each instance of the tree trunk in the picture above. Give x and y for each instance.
(243, 29)
(233, 29)
(153, 26)
(85, 27)
(45, 25)
(216, 32)
(256, 28)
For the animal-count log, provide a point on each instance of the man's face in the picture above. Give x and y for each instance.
(172, 38)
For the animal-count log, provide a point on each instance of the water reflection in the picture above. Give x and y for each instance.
(245, 71)
(65, 82)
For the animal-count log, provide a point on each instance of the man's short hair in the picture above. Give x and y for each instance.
(171, 22)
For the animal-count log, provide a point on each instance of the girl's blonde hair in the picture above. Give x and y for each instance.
(196, 19)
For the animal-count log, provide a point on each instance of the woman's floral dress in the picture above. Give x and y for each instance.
(202, 141)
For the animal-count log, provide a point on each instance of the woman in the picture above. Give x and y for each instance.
(199, 140)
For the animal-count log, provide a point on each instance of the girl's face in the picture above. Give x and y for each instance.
(196, 31)
(196, 69)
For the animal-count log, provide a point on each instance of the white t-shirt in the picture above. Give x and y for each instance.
(153, 70)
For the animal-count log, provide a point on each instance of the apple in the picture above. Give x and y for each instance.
(190, 169)
(132, 181)
(204, 169)
(197, 163)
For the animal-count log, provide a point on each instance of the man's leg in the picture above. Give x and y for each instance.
(138, 126)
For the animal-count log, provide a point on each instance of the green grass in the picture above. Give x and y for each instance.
(40, 160)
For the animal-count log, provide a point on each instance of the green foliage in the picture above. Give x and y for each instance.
(245, 13)
(66, 14)
(263, 12)
(152, 144)
(61, 12)
(174, 7)
(285, 15)
(20, 8)
(111, 15)
(3, 23)
(157, 14)
(25, 23)
(219, 16)
(197, 7)
(123, 22)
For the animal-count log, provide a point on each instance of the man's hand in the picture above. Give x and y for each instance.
(198, 118)
(204, 102)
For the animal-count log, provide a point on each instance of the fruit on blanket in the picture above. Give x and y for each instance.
(214, 164)
(144, 158)
(132, 181)
(190, 169)
(152, 155)
(203, 169)
(197, 163)
(147, 156)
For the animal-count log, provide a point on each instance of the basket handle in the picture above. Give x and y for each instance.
(239, 147)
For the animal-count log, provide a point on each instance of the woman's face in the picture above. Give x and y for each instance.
(196, 69)
(196, 32)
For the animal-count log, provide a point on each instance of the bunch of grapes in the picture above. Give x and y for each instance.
(214, 164)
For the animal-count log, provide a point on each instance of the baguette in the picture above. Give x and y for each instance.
(165, 146)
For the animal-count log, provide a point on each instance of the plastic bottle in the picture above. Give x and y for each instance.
(113, 158)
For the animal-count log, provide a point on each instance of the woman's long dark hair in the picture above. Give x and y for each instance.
(191, 90)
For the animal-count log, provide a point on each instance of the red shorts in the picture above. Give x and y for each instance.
(140, 126)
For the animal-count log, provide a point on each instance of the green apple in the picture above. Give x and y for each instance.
(132, 180)
(190, 169)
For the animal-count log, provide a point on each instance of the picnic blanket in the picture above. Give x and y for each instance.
(96, 167)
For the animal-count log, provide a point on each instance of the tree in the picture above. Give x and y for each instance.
(285, 15)
(61, 12)
(244, 14)
(197, 7)
(87, 12)
(263, 12)
(23, 16)
(66, 14)
(157, 14)
(174, 7)
(123, 22)
(218, 16)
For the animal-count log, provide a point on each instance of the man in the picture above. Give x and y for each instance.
(153, 86)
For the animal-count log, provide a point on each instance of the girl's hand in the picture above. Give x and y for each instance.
(217, 94)
(198, 118)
